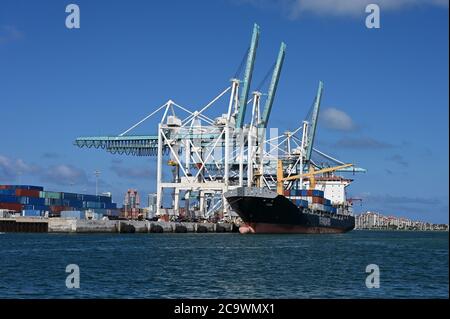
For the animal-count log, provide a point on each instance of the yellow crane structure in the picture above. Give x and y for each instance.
(310, 175)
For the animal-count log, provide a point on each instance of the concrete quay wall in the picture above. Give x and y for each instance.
(67, 225)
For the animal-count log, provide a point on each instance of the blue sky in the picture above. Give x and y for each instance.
(385, 104)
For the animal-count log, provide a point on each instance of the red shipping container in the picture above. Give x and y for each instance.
(317, 200)
(12, 206)
(27, 192)
(287, 192)
(309, 192)
(3, 186)
(57, 209)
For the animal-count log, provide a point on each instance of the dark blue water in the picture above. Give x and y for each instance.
(412, 265)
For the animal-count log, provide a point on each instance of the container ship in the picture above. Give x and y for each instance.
(265, 211)
(295, 210)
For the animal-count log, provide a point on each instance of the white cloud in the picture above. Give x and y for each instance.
(64, 174)
(336, 119)
(11, 168)
(296, 8)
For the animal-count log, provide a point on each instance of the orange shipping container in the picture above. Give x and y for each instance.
(11, 206)
(57, 209)
(27, 192)
(317, 200)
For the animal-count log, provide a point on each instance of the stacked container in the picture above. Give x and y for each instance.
(30, 198)
(312, 198)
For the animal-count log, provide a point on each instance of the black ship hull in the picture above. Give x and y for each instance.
(264, 211)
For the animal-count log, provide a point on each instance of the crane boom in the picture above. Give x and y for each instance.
(273, 86)
(311, 174)
(247, 77)
(313, 124)
(322, 171)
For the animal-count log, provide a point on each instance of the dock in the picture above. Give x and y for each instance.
(67, 225)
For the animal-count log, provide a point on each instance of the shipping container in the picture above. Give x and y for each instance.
(71, 196)
(8, 199)
(8, 192)
(36, 201)
(110, 205)
(107, 212)
(27, 192)
(12, 206)
(93, 205)
(53, 201)
(317, 200)
(301, 203)
(90, 198)
(27, 187)
(73, 203)
(73, 214)
(36, 207)
(47, 194)
(105, 199)
(58, 209)
(317, 192)
(31, 213)
(30, 200)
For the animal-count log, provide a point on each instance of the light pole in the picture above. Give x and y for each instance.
(19, 176)
(97, 174)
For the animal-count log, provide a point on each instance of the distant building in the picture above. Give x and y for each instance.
(131, 205)
(374, 220)
(132, 199)
(151, 204)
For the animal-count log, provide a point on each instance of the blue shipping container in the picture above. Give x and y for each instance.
(110, 205)
(73, 214)
(105, 199)
(38, 188)
(36, 201)
(8, 199)
(31, 213)
(69, 196)
(90, 198)
(74, 203)
(8, 192)
(317, 193)
(36, 207)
